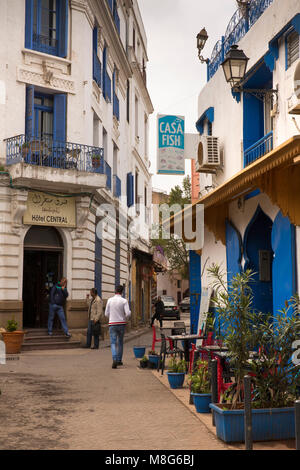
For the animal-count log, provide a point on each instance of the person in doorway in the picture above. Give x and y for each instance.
(159, 310)
(95, 309)
(58, 295)
(117, 311)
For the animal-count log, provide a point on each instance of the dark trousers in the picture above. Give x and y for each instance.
(90, 334)
(156, 316)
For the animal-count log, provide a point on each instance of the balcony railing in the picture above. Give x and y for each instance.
(107, 170)
(238, 26)
(117, 186)
(47, 152)
(259, 149)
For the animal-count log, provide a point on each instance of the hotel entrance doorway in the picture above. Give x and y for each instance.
(43, 261)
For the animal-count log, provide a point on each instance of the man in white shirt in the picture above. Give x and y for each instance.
(117, 311)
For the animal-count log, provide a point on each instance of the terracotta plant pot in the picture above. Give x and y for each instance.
(13, 341)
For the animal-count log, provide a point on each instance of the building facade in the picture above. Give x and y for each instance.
(75, 182)
(251, 193)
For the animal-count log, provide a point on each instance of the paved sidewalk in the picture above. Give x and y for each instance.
(73, 399)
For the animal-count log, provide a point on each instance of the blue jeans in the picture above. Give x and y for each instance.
(89, 336)
(53, 309)
(116, 333)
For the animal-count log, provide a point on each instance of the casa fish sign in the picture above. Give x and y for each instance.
(170, 152)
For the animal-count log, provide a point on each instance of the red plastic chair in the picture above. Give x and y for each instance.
(158, 340)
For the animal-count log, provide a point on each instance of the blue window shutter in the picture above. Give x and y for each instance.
(117, 262)
(98, 264)
(63, 28)
(29, 122)
(59, 121)
(233, 251)
(95, 39)
(107, 87)
(28, 23)
(195, 289)
(130, 189)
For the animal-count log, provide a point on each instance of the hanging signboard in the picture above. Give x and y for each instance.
(170, 151)
(44, 209)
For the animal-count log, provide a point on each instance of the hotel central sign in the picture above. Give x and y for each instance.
(44, 209)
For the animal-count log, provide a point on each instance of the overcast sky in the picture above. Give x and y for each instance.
(175, 75)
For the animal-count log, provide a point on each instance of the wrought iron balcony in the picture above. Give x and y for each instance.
(117, 186)
(47, 152)
(238, 26)
(259, 149)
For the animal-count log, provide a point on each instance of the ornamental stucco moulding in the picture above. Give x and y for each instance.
(45, 78)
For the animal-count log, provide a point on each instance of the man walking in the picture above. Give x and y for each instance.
(58, 296)
(159, 310)
(117, 311)
(95, 309)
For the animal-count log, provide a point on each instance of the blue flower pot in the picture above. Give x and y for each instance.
(176, 379)
(202, 402)
(267, 424)
(139, 351)
(154, 360)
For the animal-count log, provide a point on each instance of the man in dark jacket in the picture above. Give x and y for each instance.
(58, 296)
(159, 310)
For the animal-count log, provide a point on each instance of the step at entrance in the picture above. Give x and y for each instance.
(38, 339)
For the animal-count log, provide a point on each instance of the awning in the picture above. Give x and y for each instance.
(277, 174)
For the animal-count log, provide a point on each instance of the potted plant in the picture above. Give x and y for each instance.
(153, 357)
(275, 377)
(144, 362)
(139, 351)
(176, 373)
(24, 148)
(13, 338)
(200, 387)
(96, 160)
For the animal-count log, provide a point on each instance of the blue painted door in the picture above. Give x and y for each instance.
(233, 251)
(195, 289)
(284, 271)
(257, 242)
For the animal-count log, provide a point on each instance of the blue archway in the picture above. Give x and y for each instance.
(258, 257)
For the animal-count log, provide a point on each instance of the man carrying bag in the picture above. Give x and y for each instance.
(95, 310)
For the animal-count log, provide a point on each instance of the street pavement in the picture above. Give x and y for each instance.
(73, 399)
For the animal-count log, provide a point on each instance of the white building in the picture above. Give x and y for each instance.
(250, 190)
(73, 136)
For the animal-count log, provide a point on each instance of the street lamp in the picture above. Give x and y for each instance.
(235, 66)
(201, 41)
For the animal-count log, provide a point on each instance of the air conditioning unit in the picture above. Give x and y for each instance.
(294, 100)
(209, 155)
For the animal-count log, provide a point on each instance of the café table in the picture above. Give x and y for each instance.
(186, 338)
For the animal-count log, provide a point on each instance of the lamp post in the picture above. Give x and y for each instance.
(234, 67)
(201, 41)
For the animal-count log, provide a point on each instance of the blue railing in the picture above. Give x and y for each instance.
(116, 107)
(97, 69)
(238, 26)
(117, 186)
(259, 149)
(107, 170)
(47, 152)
